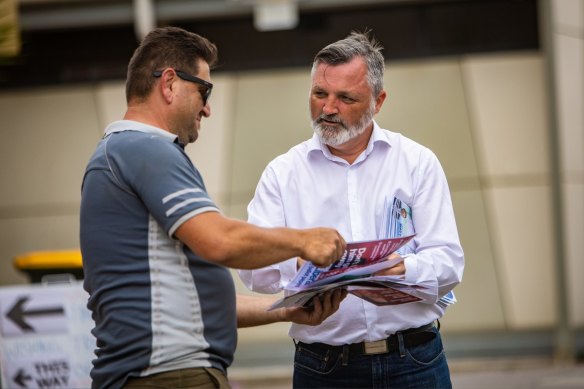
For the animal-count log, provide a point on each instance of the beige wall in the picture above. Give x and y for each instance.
(484, 116)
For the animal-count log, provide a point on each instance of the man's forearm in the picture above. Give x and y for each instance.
(253, 311)
(236, 244)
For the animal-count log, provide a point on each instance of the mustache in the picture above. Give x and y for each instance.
(329, 118)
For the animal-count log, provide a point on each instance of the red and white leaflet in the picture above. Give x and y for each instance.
(360, 258)
(378, 290)
(383, 296)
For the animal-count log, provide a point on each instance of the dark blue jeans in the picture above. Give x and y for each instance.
(422, 367)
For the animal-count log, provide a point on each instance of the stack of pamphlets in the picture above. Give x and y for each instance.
(355, 271)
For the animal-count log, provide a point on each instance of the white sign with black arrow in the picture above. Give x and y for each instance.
(37, 312)
(45, 337)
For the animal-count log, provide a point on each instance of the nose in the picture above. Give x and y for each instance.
(330, 107)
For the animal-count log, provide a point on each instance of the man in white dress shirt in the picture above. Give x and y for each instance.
(344, 177)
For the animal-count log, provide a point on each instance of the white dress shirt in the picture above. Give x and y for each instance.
(310, 187)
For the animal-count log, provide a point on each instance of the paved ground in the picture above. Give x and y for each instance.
(516, 374)
(488, 373)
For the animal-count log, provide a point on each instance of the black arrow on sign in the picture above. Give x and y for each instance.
(17, 313)
(20, 377)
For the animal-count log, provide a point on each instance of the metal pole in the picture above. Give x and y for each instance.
(144, 17)
(564, 351)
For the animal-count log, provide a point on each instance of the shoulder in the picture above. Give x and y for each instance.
(137, 139)
(139, 146)
(406, 146)
(407, 152)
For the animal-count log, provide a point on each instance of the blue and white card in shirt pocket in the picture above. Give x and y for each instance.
(397, 222)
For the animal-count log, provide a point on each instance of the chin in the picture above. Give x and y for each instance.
(193, 134)
(334, 139)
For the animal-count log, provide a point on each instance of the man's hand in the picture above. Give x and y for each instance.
(397, 270)
(323, 306)
(323, 246)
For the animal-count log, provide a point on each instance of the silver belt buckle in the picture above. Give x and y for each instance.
(378, 347)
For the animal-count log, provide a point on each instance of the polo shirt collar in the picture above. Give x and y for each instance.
(132, 125)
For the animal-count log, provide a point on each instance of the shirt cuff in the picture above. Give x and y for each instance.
(411, 263)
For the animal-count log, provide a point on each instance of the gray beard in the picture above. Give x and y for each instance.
(335, 136)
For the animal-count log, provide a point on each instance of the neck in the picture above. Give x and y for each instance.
(145, 114)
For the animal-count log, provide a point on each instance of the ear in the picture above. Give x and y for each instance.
(379, 100)
(167, 85)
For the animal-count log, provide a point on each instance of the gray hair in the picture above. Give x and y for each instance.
(357, 44)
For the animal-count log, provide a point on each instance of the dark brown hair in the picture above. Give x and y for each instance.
(162, 48)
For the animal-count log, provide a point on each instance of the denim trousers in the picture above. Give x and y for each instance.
(422, 366)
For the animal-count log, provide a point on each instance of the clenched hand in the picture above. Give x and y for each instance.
(323, 246)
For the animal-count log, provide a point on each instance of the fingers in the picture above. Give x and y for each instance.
(397, 270)
(333, 300)
(329, 302)
(325, 247)
(322, 307)
(311, 316)
(339, 296)
(317, 310)
(324, 250)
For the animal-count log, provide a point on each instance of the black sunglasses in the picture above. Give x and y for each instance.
(187, 77)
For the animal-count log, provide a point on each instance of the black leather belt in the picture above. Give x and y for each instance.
(412, 337)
